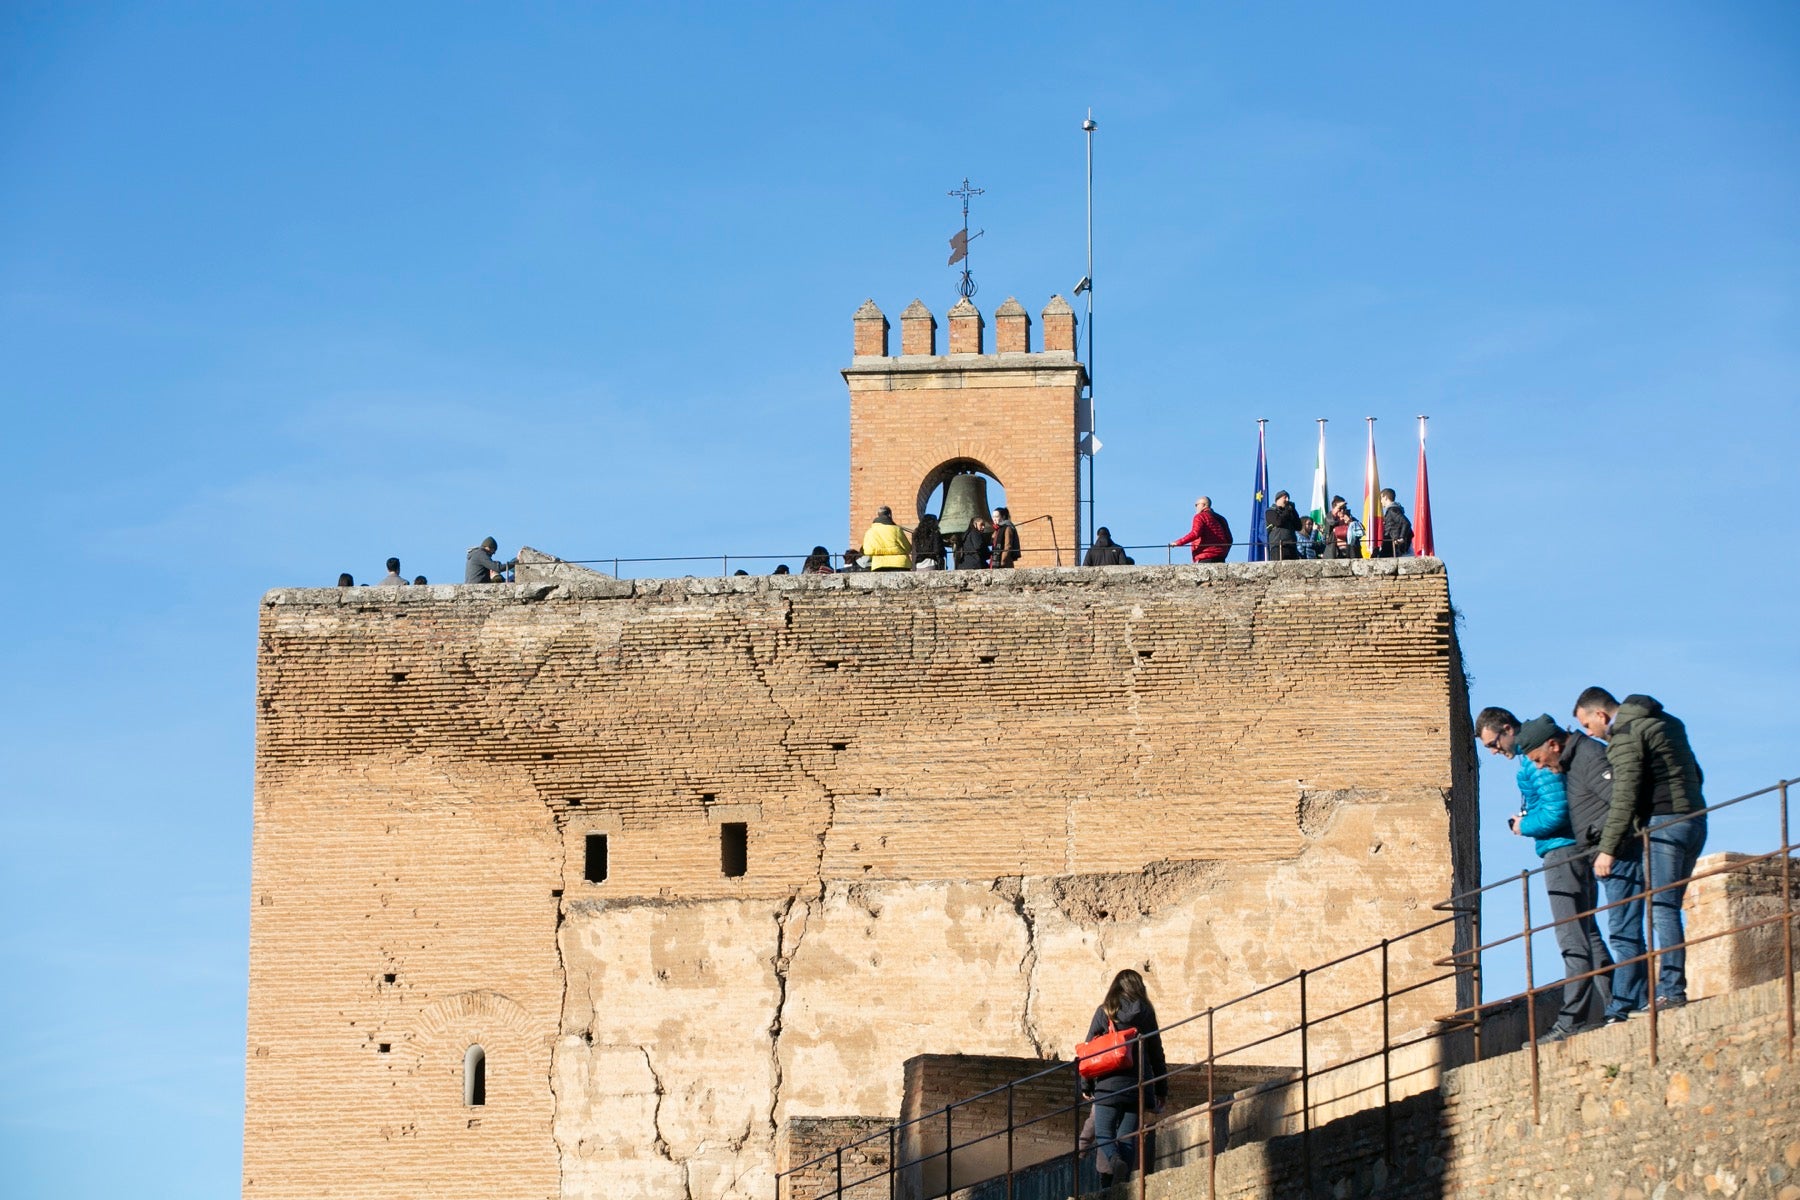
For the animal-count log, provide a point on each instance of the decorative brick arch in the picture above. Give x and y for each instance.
(941, 474)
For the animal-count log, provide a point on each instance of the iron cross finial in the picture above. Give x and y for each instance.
(959, 244)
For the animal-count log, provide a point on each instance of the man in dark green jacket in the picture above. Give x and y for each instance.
(1656, 786)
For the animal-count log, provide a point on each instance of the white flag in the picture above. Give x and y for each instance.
(1321, 493)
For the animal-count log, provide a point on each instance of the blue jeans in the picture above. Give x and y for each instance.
(1675, 846)
(1625, 930)
(1115, 1149)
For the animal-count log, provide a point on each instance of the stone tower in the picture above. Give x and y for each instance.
(919, 417)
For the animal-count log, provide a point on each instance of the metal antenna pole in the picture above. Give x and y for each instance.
(1088, 126)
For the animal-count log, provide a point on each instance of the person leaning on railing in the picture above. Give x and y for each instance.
(1568, 874)
(1210, 535)
(1656, 786)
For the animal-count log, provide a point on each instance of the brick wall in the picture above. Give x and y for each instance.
(1717, 1115)
(966, 801)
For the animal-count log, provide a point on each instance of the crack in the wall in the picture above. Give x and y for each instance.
(661, 1144)
(1012, 887)
(774, 698)
(782, 962)
(562, 969)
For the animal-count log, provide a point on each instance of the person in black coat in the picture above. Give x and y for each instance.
(1284, 528)
(1104, 552)
(928, 545)
(972, 550)
(1396, 529)
(1116, 1095)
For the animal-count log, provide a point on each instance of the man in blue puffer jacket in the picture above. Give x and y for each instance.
(1544, 817)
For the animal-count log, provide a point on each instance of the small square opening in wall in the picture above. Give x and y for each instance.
(389, 977)
(593, 867)
(384, 1047)
(734, 849)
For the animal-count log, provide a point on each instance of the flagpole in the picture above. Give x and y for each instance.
(1371, 514)
(1087, 127)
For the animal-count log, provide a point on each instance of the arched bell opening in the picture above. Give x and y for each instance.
(943, 497)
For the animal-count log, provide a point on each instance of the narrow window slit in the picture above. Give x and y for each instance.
(734, 849)
(594, 866)
(475, 1076)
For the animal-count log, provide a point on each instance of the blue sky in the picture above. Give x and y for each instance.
(285, 290)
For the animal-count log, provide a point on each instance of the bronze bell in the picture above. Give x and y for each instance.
(965, 498)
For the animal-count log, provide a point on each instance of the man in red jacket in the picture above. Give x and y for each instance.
(1210, 536)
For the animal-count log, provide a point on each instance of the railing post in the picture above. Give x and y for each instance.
(1787, 920)
(1212, 1118)
(949, 1150)
(1530, 993)
(893, 1160)
(840, 1173)
(1475, 957)
(1138, 1057)
(1305, 1092)
(1009, 1141)
(1075, 1140)
(1650, 963)
(1387, 1075)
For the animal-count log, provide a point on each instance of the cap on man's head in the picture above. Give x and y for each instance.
(489, 544)
(1536, 732)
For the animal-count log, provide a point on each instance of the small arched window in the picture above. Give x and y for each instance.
(475, 1076)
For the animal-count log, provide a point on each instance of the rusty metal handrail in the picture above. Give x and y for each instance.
(1461, 963)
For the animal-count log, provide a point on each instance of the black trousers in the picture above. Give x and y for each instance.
(1569, 878)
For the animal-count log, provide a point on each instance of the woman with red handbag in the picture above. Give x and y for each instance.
(1111, 1077)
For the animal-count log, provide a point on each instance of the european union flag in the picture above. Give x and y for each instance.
(1259, 525)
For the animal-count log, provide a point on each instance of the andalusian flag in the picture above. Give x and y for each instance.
(1371, 511)
(1321, 493)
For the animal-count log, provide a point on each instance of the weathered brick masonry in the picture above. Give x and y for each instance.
(963, 801)
(1717, 1115)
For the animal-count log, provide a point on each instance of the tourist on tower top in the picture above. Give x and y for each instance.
(1006, 539)
(886, 543)
(1210, 536)
(482, 566)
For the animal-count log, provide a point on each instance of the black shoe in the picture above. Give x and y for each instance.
(1671, 1001)
(1556, 1033)
(1618, 1018)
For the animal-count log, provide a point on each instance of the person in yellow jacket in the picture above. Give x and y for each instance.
(886, 543)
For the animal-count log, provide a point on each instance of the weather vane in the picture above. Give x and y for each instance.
(959, 245)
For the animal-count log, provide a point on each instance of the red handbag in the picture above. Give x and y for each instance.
(1109, 1052)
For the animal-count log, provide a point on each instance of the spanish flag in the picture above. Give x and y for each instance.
(1371, 510)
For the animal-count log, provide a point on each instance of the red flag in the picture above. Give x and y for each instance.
(1422, 543)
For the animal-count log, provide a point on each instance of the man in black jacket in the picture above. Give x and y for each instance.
(1396, 530)
(1656, 787)
(1284, 528)
(1587, 783)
